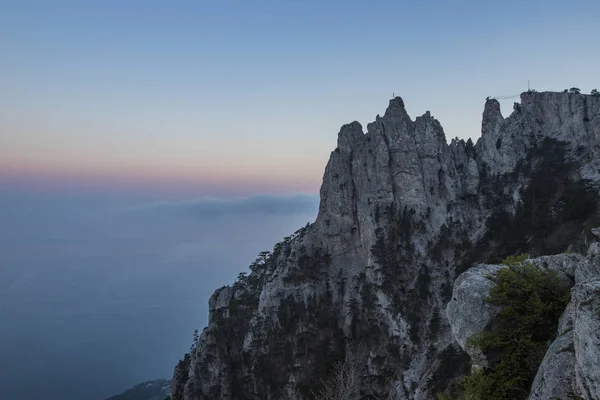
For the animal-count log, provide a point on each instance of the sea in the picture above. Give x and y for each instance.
(101, 291)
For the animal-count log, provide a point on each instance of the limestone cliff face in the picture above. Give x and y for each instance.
(402, 214)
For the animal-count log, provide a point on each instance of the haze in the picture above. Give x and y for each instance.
(98, 293)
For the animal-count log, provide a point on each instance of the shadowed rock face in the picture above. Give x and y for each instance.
(402, 214)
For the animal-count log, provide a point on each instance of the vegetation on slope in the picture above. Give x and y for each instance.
(555, 208)
(343, 383)
(531, 301)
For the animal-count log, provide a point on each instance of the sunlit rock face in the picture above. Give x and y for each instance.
(402, 215)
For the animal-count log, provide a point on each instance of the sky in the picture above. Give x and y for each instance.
(232, 98)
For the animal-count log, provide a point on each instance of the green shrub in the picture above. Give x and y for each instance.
(531, 301)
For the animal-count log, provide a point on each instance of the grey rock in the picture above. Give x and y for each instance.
(564, 265)
(572, 363)
(469, 312)
(402, 213)
(556, 375)
(586, 338)
(589, 269)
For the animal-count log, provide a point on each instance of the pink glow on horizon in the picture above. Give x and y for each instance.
(38, 179)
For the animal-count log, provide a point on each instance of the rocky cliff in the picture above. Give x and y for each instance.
(402, 215)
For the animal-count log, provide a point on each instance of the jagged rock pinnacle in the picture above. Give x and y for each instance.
(349, 136)
(395, 107)
(402, 214)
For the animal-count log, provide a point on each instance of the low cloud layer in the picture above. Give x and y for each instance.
(254, 205)
(90, 280)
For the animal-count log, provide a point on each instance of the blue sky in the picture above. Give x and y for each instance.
(242, 97)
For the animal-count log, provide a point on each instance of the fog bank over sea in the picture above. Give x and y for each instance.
(100, 292)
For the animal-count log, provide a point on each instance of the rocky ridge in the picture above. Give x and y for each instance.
(402, 215)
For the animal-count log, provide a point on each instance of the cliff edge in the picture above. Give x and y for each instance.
(402, 215)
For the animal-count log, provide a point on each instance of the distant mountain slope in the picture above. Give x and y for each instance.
(151, 390)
